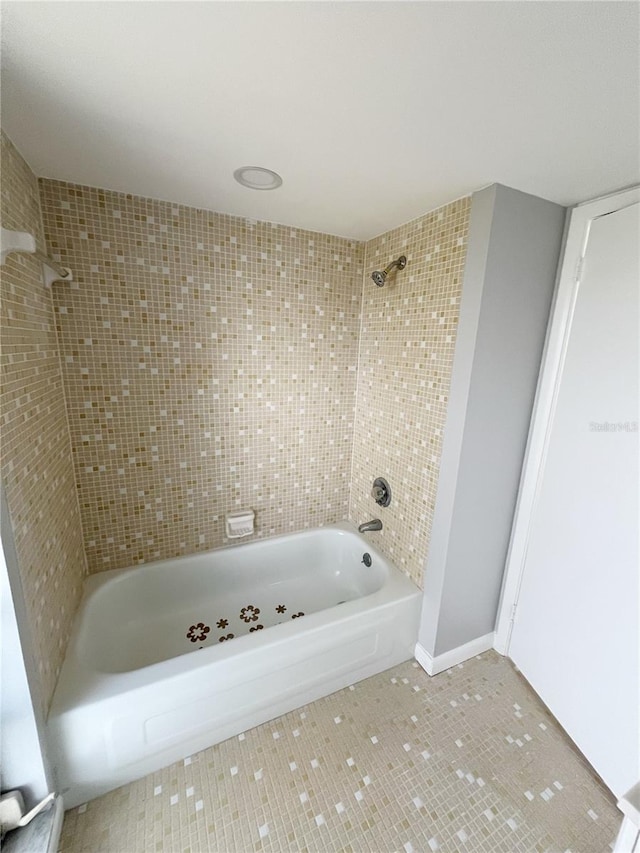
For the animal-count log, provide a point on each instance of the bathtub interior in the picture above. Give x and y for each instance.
(137, 617)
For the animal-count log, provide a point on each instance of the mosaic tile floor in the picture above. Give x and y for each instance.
(467, 761)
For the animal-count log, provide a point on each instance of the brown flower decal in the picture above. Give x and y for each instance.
(256, 628)
(228, 637)
(250, 613)
(222, 623)
(198, 633)
(296, 615)
(280, 608)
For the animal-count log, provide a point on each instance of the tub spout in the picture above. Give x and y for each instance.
(374, 524)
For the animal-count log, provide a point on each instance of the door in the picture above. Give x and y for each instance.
(575, 629)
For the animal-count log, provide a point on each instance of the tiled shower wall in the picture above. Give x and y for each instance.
(407, 342)
(210, 366)
(37, 467)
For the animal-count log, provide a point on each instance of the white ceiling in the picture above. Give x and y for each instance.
(372, 112)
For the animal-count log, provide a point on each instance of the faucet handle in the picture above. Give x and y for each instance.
(381, 492)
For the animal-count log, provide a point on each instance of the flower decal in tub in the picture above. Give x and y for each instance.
(248, 621)
(198, 633)
(250, 613)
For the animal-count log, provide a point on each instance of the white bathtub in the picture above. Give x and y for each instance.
(168, 658)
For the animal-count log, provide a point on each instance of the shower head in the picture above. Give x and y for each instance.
(380, 276)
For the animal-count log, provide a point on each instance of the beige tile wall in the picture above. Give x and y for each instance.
(37, 468)
(407, 342)
(210, 365)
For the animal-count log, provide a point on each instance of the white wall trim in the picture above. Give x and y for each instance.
(628, 840)
(25, 762)
(56, 825)
(434, 665)
(546, 395)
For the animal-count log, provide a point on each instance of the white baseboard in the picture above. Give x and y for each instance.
(56, 828)
(434, 665)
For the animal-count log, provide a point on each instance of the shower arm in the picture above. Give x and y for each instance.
(380, 276)
(400, 262)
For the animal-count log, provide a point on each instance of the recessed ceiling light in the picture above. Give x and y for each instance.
(257, 178)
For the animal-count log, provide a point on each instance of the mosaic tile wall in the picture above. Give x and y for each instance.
(407, 342)
(467, 762)
(37, 467)
(210, 366)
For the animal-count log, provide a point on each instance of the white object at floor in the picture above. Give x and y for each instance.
(13, 813)
(41, 835)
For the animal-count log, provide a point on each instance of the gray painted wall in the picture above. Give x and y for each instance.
(513, 251)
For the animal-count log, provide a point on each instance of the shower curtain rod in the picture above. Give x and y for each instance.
(21, 241)
(62, 272)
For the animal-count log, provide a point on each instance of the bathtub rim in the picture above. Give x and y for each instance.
(97, 580)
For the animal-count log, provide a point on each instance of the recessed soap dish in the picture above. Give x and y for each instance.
(238, 524)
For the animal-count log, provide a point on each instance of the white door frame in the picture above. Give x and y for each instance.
(546, 397)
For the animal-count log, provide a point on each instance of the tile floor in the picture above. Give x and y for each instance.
(467, 761)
